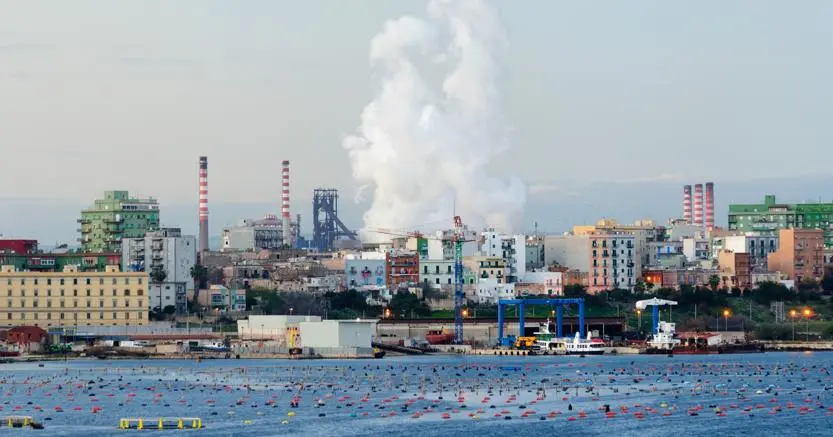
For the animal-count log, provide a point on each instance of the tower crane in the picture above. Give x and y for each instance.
(457, 238)
(655, 304)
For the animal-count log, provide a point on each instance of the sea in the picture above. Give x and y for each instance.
(642, 395)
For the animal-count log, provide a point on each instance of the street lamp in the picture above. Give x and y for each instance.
(639, 318)
(726, 314)
(290, 310)
(465, 312)
(793, 313)
(387, 313)
(807, 314)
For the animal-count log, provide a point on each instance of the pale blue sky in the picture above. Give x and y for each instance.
(93, 94)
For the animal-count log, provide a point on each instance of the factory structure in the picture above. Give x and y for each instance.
(702, 213)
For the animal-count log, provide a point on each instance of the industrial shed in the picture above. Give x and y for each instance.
(337, 333)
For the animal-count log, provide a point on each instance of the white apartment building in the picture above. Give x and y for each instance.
(436, 273)
(175, 253)
(490, 291)
(512, 248)
(756, 245)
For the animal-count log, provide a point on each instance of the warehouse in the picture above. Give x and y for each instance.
(337, 333)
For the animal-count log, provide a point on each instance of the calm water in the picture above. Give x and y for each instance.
(775, 393)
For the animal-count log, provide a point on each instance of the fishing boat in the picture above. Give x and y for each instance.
(664, 341)
(438, 336)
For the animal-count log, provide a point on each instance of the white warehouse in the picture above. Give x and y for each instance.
(337, 333)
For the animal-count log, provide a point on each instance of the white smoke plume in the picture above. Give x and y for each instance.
(427, 138)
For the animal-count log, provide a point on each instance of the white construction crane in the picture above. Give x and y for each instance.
(655, 303)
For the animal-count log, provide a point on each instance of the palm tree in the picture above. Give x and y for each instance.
(158, 276)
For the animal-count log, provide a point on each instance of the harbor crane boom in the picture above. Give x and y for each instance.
(655, 304)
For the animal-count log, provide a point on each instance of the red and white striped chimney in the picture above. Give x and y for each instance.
(687, 203)
(203, 204)
(698, 204)
(285, 216)
(709, 205)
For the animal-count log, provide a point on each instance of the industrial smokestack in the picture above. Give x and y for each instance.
(203, 204)
(687, 203)
(286, 226)
(709, 208)
(698, 204)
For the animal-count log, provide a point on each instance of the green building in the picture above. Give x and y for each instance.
(114, 217)
(769, 217)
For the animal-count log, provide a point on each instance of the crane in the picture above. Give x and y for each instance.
(655, 303)
(457, 238)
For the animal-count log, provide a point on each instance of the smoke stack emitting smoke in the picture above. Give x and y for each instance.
(422, 147)
(203, 196)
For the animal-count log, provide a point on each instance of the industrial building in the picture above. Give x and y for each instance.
(330, 334)
(327, 227)
(168, 249)
(249, 234)
(701, 213)
(115, 217)
(72, 297)
(770, 217)
(272, 327)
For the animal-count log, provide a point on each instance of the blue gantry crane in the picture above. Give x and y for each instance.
(459, 297)
(655, 304)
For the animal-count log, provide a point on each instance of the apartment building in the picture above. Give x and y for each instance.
(611, 261)
(72, 297)
(800, 254)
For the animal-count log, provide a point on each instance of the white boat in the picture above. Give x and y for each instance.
(665, 339)
(547, 340)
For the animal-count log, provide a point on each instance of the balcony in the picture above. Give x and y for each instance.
(113, 220)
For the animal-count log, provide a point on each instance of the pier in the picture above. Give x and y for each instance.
(161, 423)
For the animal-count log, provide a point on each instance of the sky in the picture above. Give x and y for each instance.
(612, 109)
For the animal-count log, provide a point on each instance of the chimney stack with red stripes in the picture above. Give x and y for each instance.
(709, 207)
(285, 215)
(698, 204)
(687, 203)
(203, 196)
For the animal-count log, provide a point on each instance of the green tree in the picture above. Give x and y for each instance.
(169, 310)
(714, 282)
(158, 274)
(827, 282)
(405, 303)
(640, 287)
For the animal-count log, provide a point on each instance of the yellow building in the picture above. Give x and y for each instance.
(72, 298)
(486, 267)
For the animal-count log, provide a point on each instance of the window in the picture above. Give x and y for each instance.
(36, 292)
(115, 316)
(48, 281)
(35, 303)
(114, 303)
(88, 283)
(100, 315)
(49, 303)
(140, 292)
(9, 316)
(100, 281)
(62, 292)
(101, 293)
(36, 281)
(23, 292)
(23, 316)
(114, 292)
(62, 316)
(114, 281)
(127, 292)
(74, 281)
(88, 303)
(48, 316)
(74, 293)
(22, 281)
(126, 315)
(88, 292)
(126, 281)
(140, 281)
(101, 304)
(140, 303)
(62, 303)
(126, 303)
(62, 281)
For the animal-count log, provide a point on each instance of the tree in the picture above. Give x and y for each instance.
(158, 274)
(169, 310)
(199, 273)
(714, 282)
(640, 287)
(406, 304)
(827, 282)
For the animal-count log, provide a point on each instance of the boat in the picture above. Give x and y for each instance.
(664, 341)
(548, 341)
(439, 336)
(378, 353)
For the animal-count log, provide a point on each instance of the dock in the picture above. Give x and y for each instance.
(22, 422)
(161, 423)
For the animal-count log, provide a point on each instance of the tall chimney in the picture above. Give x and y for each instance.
(698, 204)
(687, 203)
(709, 208)
(286, 226)
(203, 204)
